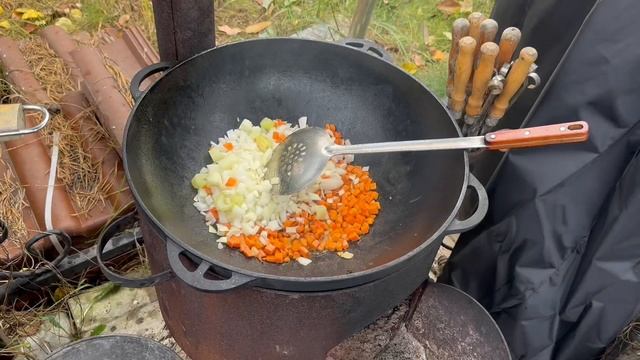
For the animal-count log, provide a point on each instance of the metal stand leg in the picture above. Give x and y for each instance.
(362, 18)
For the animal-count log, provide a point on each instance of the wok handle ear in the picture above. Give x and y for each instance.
(201, 278)
(460, 226)
(369, 47)
(105, 237)
(143, 74)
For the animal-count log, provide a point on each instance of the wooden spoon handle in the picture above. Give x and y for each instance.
(508, 43)
(483, 74)
(464, 64)
(459, 30)
(564, 133)
(516, 77)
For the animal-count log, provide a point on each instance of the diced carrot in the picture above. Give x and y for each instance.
(231, 182)
(214, 213)
(352, 212)
(233, 242)
(269, 249)
(278, 137)
(228, 146)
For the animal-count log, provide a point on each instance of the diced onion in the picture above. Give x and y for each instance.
(345, 255)
(235, 197)
(291, 230)
(200, 206)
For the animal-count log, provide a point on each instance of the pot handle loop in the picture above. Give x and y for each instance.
(144, 73)
(460, 226)
(196, 278)
(369, 47)
(107, 234)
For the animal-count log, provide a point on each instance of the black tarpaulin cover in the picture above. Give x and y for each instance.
(556, 260)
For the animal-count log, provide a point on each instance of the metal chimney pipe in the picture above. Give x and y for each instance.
(183, 27)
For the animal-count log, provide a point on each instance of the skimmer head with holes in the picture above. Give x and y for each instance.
(299, 160)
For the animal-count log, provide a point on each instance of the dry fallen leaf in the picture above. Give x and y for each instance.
(410, 67)
(418, 60)
(5, 24)
(123, 20)
(438, 55)
(75, 14)
(467, 6)
(1, 10)
(448, 7)
(66, 24)
(29, 27)
(229, 30)
(31, 14)
(256, 28)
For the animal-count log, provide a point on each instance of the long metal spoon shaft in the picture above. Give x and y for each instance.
(474, 142)
(501, 140)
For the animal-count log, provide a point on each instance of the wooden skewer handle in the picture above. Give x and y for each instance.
(475, 19)
(516, 77)
(508, 42)
(488, 31)
(475, 22)
(481, 77)
(464, 64)
(459, 30)
(571, 132)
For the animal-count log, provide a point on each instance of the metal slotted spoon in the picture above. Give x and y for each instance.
(302, 157)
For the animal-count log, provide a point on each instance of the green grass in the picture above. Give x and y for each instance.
(399, 25)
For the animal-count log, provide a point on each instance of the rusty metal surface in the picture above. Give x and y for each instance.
(62, 44)
(252, 323)
(129, 50)
(145, 53)
(12, 250)
(30, 156)
(101, 89)
(452, 325)
(184, 27)
(17, 72)
(75, 105)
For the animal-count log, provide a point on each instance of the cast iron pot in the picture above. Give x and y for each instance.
(369, 99)
(209, 293)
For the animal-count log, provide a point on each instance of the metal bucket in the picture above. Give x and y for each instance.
(114, 347)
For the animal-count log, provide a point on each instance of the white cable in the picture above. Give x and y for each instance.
(50, 187)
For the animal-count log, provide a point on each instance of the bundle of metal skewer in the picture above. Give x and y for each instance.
(483, 80)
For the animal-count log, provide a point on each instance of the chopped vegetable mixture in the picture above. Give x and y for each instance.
(238, 205)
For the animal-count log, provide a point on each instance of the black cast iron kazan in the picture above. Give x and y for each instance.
(368, 99)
